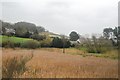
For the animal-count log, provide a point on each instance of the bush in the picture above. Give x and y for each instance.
(31, 44)
(67, 44)
(38, 37)
(17, 44)
(57, 42)
(15, 66)
(97, 45)
(46, 42)
(60, 43)
(8, 44)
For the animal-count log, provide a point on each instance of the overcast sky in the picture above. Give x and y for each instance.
(63, 16)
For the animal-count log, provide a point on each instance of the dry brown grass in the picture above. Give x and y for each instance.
(55, 64)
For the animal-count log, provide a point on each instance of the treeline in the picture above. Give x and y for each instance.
(109, 39)
(9, 42)
(20, 29)
(112, 34)
(30, 30)
(108, 42)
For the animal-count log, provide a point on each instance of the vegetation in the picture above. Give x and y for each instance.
(31, 44)
(20, 29)
(49, 60)
(97, 45)
(46, 42)
(74, 36)
(28, 35)
(6, 41)
(38, 37)
(14, 66)
(60, 43)
(53, 64)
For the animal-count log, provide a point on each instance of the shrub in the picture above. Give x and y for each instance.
(60, 43)
(46, 42)
(17, 44)
(15, 66)
(8, 44)
(97, 45)
(57, 42)
(31, 44)
(38, 37)
(67, 44)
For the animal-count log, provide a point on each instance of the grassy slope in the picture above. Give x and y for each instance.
(14, 39)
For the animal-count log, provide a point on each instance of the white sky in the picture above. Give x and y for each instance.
(63, 16)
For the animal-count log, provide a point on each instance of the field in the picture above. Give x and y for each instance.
(52, 63)
(14, 39)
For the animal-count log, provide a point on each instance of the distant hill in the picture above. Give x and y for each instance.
(29, 26)
(26, 26)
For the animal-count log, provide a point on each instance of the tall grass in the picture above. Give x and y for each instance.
(14, 66)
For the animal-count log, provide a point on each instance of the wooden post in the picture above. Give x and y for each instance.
(63, 37)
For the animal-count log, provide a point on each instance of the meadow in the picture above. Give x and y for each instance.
(52, 63)
(14, 39)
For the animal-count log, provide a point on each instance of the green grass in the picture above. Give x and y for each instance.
(112, 54)
(14, 39)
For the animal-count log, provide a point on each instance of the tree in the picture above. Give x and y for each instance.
(116, 32)
(27, 34)
(40, 29)
(29, 26)
(57, 42)
(74, 36)
(112, 34)
(20, 31)
(61, 43)
(106, 32)
(5, 27)
(38, 37)
(3, 31)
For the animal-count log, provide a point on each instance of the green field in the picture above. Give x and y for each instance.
(14, 39)
(113, 54)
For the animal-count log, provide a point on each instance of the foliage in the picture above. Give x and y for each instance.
(46, 42)
(20, 29)
(27, 26)
(38, 37)
(15, 66)
(8, 44)
(74, 36)
(60, 43)
(113, 34)
(31, 44)
(106, 32)
(22, 32)
(9, 34)
(40, 29)
(57, 42)
(97, 45)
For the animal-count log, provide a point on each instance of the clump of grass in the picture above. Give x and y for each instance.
(15, 66)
